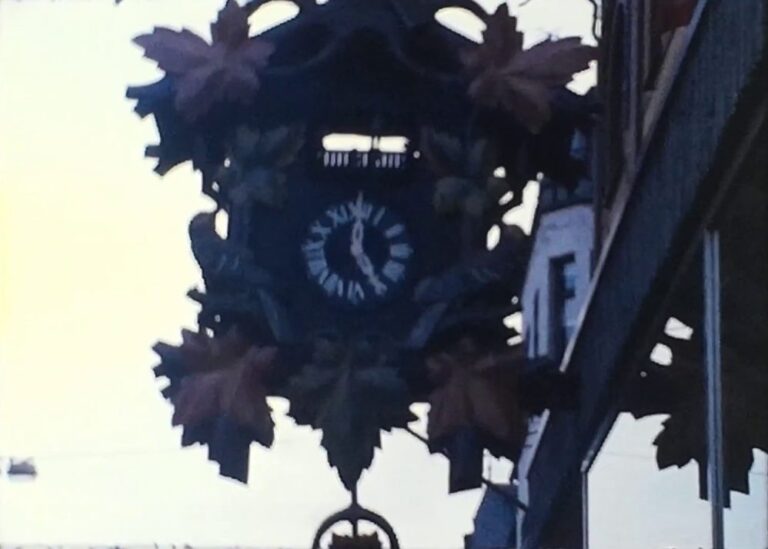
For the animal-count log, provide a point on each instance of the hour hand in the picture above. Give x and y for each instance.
(356, 247)
(366, 267)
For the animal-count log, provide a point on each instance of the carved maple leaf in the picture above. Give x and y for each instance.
(350, 401)
(479, 390)
(673, 390)
(521, 81)
(235, 390)
(218, 393)
(226, 70)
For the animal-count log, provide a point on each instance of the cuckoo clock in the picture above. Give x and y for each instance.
(357, 282)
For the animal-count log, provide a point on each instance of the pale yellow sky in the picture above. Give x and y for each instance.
(94, 267)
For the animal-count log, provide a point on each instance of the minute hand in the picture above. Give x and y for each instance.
(358, 231)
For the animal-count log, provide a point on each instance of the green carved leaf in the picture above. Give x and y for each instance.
(260, 185)
(350, 406)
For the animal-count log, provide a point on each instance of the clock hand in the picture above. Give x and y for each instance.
(365, 265)
(358, 231)
(358, 252)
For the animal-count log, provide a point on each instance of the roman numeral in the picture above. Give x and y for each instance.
(314, 250)
(355, 293)
(331, 283)
(379, 216)
(317, 266)
(400, 251)
(338, 215)
(321, 230)
(360, 209)
(393, 270)
(394, 230)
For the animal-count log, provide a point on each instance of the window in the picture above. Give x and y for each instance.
(563, 281)
(661, 20)
(647, 486)
(349, 151)
(691, 464)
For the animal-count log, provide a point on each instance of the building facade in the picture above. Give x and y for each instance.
(667, 446)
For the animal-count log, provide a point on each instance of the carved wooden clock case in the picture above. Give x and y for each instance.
(354, 283)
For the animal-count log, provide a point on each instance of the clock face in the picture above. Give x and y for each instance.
(357, 253)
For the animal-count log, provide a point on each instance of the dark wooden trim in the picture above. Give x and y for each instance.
(714, 110)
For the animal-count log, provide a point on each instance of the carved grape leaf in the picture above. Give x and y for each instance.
(255, 171)
(442, 151)
(521, 81)
(466, 182)
(226, 70)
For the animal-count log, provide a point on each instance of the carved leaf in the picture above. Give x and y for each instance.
(235, 390)
(521, 81)
(202, 353)
(350, 405)
(254, 174)
(231, 27)
(450, 193)
(175, 52)
(476, 390)
(260, 185)
(279, 147)
(501, 39)
(673, 390)
(443, 152)
(246, 144)
(481, 158)
(205, 74)
(466, 183)
(503, 266)
(218, 393)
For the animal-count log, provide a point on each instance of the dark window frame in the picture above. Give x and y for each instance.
(559, 294)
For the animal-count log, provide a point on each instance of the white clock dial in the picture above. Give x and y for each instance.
(357, 252)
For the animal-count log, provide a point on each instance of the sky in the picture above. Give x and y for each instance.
(94, 267)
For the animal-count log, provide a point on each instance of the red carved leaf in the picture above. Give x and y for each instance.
(521, 81)
(227, 379)
(231, 27)
(477, 390)
(224, 71)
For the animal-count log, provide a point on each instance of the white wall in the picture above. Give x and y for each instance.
(560, 232)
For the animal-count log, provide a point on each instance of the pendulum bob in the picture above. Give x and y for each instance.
(353, 516)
